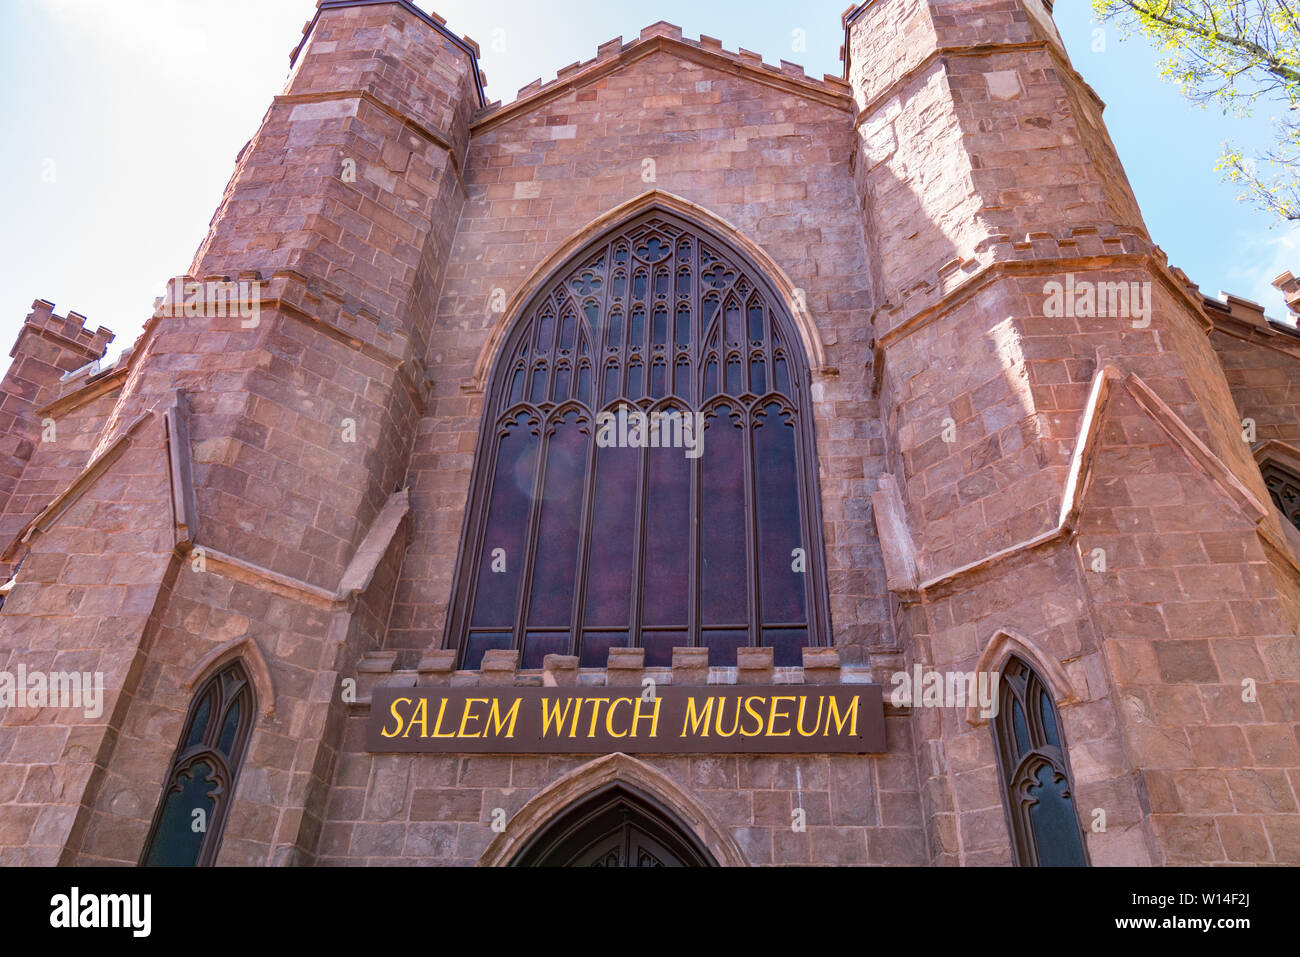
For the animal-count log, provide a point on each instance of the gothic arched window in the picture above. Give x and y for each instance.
(645, 471)
(187, 825)
(1284, 488)
(1037, 791)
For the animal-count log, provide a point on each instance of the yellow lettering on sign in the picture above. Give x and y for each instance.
(551, 712)
(609, 717)
(652, 717)
(834, 715)
(393, 711)
(821, 704)
(437, 724)
(595, 713)
(772, 716)
(420, 717)
(696, 720)
(749, 710)
(722, 706)
(467, 715)
(497, 721)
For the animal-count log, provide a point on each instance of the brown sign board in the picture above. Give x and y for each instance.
(775, 719)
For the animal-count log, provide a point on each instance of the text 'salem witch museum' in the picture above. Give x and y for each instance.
(691, 462)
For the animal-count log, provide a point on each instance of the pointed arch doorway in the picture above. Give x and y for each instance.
(615, 827)
(614, 797)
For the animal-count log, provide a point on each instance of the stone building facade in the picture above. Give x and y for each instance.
(1013, 466)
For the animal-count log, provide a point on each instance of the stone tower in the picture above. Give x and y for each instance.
(1092, 500)
(1026, 444)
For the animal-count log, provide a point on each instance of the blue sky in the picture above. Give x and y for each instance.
(124, 117)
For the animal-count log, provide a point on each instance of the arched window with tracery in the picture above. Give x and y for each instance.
(1284, 489)
(1037, 790)
(200, 784)
(576, 540)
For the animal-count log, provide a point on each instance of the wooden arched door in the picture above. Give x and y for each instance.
(615, 828)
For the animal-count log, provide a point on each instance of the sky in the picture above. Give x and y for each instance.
(123, 118)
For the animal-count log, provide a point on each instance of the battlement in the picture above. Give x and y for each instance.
(438, 23)
(68, 331)
(1289, 286)
(614, 50)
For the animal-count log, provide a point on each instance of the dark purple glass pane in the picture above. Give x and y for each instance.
(537, 391)
(546, 333)
(710, 310)
(683, 337)
(659, 325)
(711, 379)
(667, 537)
(620, 285)
(782, 377)
(620, 254)
(556, 562)
(538, 646)
(613, 527)
(787, 645)
(611, 382)
(516, 386)
(722, 647)
(615, 339)
(584, 385)
(683, 283)
(658, 380)
(757, 375)
(507, 525)
(724, 589)
(596, 645)
(562, 376)
(635, 380)
(733, 376)
(682, 380)
(636, 331)
(479, 642)
(756, 322)
(569, 328)
(659, 647)
(735, 334)
(639, 284)
(661, 282)
(779, 534)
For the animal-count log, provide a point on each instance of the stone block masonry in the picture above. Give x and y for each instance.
(998, 476)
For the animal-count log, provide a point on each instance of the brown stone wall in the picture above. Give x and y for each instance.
(916, 212)
(438, 809)
(1262, 366)
(88, 598)
(995, 158)
(48, 347)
